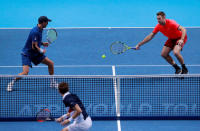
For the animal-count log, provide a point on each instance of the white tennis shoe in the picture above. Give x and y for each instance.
(10, 86)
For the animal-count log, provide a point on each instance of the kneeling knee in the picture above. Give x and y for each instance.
(176, 53)
(164, 55)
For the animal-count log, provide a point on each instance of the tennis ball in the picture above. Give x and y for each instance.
(103, 56)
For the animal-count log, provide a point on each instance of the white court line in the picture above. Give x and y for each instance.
(117, 99)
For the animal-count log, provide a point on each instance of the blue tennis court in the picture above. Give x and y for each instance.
(85, 32)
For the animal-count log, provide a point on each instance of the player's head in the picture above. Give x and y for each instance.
(43, 20)
(161, 17)
(63, 87)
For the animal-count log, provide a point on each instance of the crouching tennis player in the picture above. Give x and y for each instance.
(79, 120)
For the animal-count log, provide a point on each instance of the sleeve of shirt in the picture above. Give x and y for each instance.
(156, 29)
(35, 37)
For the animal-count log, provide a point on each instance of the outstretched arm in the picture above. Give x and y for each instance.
(146, 39)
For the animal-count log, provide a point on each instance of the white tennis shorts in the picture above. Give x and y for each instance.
(82, 126)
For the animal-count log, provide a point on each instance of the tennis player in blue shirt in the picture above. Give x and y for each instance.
(79, 120)
(33, 53)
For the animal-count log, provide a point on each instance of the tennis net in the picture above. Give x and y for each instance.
(105, 97)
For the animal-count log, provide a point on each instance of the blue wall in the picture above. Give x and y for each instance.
(98, 13)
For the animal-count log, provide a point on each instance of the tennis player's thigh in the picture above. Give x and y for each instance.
(165, 51)
(47, 61)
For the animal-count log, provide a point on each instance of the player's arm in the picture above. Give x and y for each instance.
(146, 39)
(183, 30)
(65, 116)
(77, 112)
(36, 47)
(35, 40)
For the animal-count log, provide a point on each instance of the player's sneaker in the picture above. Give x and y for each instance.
(10, 86)
(178, 71)
(184, 71)
(54, 84)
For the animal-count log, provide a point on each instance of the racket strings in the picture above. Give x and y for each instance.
(43, 115)
(118, 48)
(51, 35)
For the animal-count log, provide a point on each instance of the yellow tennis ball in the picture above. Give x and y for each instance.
(103, 56)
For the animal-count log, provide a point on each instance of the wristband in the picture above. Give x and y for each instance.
(41, 50)
(70, 119)
(64, 116)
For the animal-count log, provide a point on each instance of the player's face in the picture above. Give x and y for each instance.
(44, 24)
(161, 19)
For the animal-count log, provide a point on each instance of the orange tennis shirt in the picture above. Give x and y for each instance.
(170, 29)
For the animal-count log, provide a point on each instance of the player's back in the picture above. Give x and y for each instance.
(72, 99)
(35, 35)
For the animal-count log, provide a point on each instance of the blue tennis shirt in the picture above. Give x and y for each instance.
(35, 35)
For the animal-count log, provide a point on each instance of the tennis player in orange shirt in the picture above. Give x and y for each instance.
(177, 38)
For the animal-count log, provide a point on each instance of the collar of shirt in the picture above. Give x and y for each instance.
(41, 30)
(65, 95)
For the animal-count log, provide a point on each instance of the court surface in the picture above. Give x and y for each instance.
(126, 125)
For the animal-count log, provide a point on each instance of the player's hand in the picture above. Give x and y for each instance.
(180, 42)
(59, 120)
(45, 44)
(137, 47)
(65, 122)
(44, 51)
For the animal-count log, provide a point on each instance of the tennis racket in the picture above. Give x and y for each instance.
(51, 35)
(119, 47)
(44, 115)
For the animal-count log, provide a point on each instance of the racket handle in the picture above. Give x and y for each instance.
(133, 48)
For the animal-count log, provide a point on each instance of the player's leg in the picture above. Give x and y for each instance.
(50, 65)
(26, 62)
(165, 54)
(177, 52)
(168, 47)
(25, 71)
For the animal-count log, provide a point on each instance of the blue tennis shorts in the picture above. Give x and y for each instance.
(28, 60)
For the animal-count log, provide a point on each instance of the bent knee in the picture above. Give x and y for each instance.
(50, 63)
(176, 53)
(164, 55)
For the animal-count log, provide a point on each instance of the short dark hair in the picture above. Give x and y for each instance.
(161, 13)
(63, 87)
